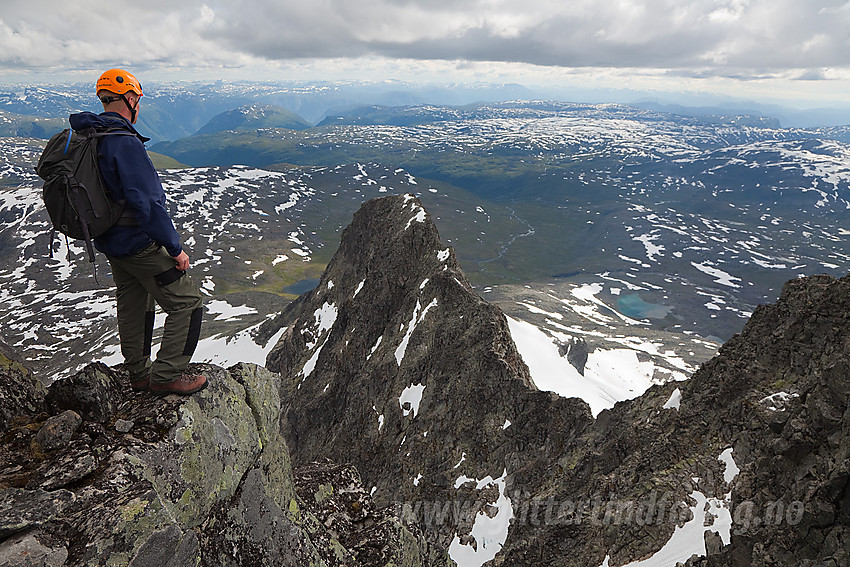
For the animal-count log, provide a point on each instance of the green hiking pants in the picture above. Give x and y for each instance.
(143, 280)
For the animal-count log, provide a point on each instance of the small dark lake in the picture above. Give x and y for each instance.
(301, 286)
(631, 305)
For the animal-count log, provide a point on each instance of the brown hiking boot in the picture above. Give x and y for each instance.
(186, 384)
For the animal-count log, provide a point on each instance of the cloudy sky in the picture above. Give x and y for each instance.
(757, 49)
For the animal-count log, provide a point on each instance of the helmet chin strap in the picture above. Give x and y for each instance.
(132, 109)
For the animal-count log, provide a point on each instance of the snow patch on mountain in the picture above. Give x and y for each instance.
(674, 401)
(489, 532)
(722, 277)
(417, 316)
(610, 375)
(410, 399)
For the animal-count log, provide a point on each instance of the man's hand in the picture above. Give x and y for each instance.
(182, 261)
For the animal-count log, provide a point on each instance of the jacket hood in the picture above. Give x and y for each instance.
(85, 120)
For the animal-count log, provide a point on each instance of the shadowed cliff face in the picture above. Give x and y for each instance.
(753, 449)
(780, 392)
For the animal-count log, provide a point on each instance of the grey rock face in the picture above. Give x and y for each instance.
(200, 480)
(25, 509)
(576, 353)
(32, 549)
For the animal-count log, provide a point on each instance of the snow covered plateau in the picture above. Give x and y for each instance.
(629, 247)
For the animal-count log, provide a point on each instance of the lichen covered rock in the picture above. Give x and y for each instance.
(198, 480)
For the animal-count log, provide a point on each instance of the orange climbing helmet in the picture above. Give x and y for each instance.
(119, 82)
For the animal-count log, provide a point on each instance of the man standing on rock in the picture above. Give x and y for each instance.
(148, 262)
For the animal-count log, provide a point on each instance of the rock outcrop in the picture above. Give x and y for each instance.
(780, 391)
(113, 477)
(756, 441)
(20, 394)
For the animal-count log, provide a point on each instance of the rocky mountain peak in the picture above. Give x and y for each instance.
(394, 364)
(390, 272)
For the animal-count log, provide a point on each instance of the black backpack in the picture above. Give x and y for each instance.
(80, 205)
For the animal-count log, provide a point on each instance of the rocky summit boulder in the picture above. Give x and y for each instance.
(115, 477)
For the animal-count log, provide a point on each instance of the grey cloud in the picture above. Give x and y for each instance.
(812, 75)
(720, 37)
(650, 33)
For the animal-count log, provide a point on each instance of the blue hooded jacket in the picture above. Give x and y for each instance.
(128, 172)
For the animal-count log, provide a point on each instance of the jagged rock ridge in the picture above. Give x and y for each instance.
(395, 365)
(758, 435)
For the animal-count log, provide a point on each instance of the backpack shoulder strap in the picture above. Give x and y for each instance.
(95, 133)
(101, 133)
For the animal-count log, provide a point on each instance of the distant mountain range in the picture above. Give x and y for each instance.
(178, 109)
(730, 204)
(605, 226)
(175, 110)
